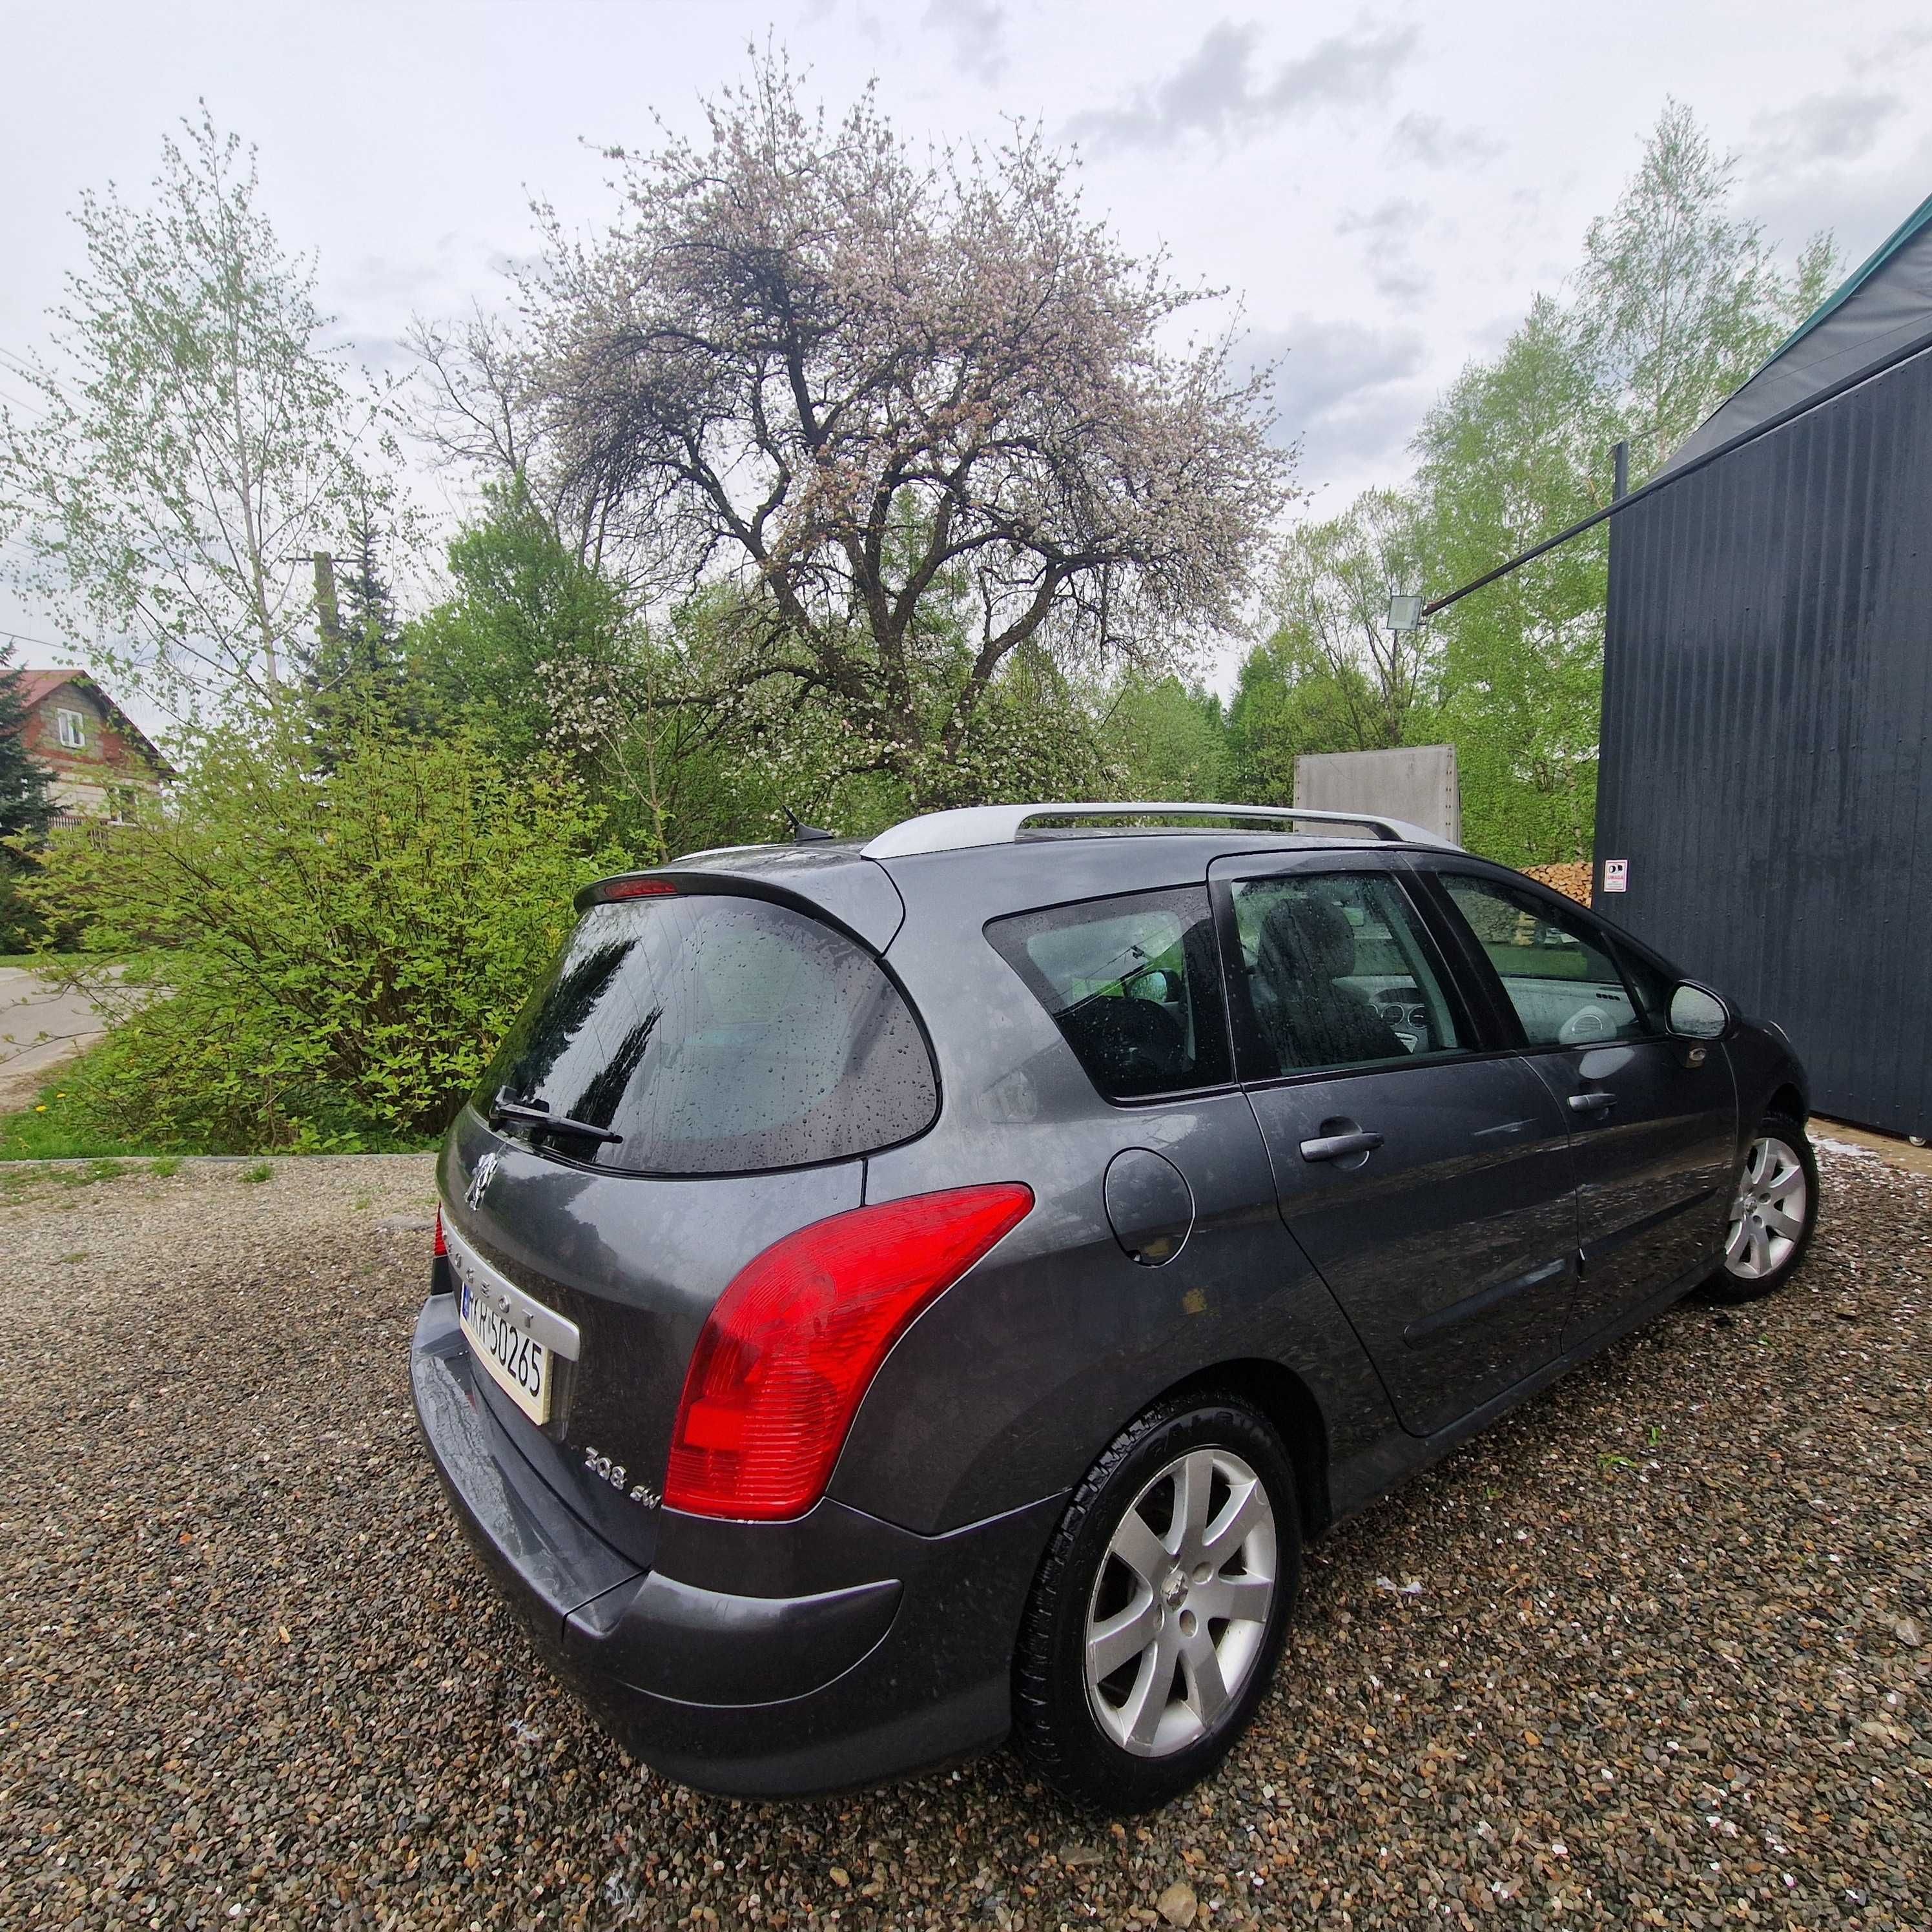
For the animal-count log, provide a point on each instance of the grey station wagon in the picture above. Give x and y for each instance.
(893, 1295)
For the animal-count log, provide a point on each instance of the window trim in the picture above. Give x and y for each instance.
(1026, 975)
(1483, 970)
(1242, 869)
(62, 716)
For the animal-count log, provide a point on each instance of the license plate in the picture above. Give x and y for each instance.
(522, 1368)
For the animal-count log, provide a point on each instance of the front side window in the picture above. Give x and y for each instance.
(1133, 983)
(1556, 968)
(1340, 972)
(73, 727)
(717, 1034)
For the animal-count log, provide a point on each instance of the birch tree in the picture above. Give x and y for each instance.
(1680, 299)
(192, 440)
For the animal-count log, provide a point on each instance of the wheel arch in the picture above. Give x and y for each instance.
(1289, 1404)
(1788, 1101)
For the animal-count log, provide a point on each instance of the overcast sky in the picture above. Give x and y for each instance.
(1383, 190)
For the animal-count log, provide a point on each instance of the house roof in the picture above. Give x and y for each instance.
(1882, 307)
(37, 686)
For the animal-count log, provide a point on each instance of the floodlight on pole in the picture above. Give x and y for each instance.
(1405, 613)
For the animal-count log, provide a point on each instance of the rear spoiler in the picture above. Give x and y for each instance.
(837, 886)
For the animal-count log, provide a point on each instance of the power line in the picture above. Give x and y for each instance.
(26, 637)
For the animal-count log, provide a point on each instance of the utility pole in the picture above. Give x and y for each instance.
(1620, 473)
(329, 620)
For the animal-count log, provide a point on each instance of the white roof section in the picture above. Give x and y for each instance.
(974, 825)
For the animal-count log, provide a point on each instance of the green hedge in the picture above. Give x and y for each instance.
(326, 957)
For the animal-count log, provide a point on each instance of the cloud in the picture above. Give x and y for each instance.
(1892, 52)
(1351, 393)
(1841, 126)
(978, 28)
(1216, 92)
(1428, 141)
(1388, 218)
(1390, 228)
(1828, 163)
(1860, 204)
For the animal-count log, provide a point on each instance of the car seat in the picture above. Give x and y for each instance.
(1307, 945)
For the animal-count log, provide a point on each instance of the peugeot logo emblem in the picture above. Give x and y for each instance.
(485, 1173)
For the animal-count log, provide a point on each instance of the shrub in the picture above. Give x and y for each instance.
(314, 960)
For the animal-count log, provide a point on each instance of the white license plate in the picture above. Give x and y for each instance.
(524, 1369)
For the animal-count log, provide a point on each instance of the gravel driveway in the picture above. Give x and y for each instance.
(1654, 1652)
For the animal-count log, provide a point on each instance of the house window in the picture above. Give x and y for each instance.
(73, 730)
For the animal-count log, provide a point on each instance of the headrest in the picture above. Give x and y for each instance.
(1311, 939)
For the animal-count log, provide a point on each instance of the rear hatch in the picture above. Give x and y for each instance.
(702, 1072)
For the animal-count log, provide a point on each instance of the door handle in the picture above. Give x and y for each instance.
(1588, 1103)
(1338, 1146)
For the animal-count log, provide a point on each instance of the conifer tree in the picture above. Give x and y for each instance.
(26, 809)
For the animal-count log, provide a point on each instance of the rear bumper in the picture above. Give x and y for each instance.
(893, 1653)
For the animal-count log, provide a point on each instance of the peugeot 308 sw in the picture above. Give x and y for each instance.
(892, 1295)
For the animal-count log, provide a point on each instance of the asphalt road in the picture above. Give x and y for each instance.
(1655, 1651)
(41, 1025)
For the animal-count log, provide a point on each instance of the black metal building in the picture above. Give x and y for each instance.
(1765, 793)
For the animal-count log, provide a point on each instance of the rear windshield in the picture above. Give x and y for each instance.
(717, 1035)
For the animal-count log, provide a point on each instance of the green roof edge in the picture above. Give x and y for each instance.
(1856, 280)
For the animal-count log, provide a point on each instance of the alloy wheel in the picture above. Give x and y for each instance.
(1180, 1606)
(1768, 1215)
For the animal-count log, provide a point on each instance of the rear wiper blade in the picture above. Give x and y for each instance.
(534, 1113)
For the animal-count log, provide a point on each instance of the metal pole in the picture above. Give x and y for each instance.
(1620, 472)
(1918, 345)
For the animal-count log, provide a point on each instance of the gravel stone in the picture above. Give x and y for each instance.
(1665, 1668)
(1178, 1904)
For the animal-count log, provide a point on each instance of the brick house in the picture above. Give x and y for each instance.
(100, 758)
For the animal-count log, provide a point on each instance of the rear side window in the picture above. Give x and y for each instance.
(1134, 983)
(717, 1035)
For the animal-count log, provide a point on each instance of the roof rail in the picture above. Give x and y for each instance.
(1002, 824)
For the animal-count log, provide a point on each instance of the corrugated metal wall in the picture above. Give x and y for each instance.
(1767, 711)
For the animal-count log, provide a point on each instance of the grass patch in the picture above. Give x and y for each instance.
(55, 1126)
(49, 1130)
(32, 961)
(94, 1170)
(261, 1170)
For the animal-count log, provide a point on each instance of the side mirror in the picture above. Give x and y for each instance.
(1698, 1013)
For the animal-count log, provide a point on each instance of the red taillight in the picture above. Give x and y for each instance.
(794, 1343)
(634, 889)
(442, 1246)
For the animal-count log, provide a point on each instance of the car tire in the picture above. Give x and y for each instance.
(1777, 1193)
(1122, 1696)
